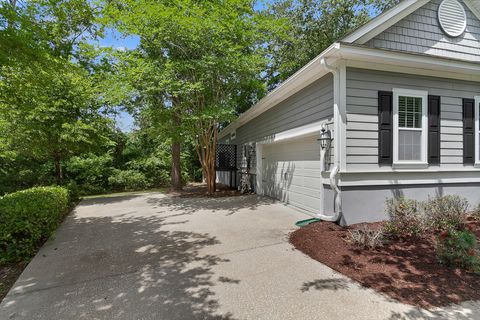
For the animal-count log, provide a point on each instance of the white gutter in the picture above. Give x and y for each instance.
(336, 169)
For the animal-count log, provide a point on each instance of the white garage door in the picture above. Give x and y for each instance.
(291, 172)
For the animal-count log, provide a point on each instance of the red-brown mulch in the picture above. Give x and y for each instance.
(198, 190)
(406, 270)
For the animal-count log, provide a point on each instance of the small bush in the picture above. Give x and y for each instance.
(405, 218)
(367, 238)
(445, 213)
(128, 180)
(73, 191)
(27, 217)
(476, 212)
(458, 249)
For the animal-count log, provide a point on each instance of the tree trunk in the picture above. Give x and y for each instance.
(176, 174)
(58, 169)
(176, 183)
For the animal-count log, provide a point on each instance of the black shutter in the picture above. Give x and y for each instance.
(468, 131)
(385, 127)
(433, 129)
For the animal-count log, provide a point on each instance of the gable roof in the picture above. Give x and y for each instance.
(387, 19)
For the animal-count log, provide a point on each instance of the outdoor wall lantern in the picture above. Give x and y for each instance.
(325, 139)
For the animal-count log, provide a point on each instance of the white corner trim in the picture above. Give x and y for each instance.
(384, 21)
(422, 163)
(477, 131)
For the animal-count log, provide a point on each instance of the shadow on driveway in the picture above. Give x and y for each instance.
(118, 266)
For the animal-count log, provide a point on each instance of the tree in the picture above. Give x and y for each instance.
(51, 105)
(195, 59)
(314, 25)
(58, 114)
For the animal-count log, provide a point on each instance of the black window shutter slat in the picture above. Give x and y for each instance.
(433, 129)
(385, 127)
(468, 131)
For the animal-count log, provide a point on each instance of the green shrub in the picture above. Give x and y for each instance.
(458, 249)
(27, 217)
(445, 213)
(405, 217)
(128, 180)
(73, 191)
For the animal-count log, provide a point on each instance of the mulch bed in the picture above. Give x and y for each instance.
(9, 273)
(198, 190)
(404, 269)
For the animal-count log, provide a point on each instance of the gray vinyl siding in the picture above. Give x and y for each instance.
(312, 104)
(420, 32)
(362, 114)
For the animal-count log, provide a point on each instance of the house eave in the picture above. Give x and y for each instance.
(311, 72)
(360, 56)
(410, 62)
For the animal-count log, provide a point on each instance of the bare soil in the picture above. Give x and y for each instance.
(9, 273)
(404, 269)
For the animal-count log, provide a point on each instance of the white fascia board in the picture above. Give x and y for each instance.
(474, 6)
(311, 72)
(384, 21)
(421, 64)
(303, 131)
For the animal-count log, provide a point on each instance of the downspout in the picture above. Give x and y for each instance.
(336, 169)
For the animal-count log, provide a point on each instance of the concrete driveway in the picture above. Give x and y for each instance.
(153, 256)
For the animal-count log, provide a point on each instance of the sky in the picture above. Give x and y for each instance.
(114, 39)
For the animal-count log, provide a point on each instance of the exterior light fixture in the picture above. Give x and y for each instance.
(325, 139)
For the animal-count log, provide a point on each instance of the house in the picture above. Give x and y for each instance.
(400, 98)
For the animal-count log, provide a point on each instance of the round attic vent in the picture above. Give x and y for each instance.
(452, 17)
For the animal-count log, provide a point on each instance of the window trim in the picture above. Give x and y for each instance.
(476, 110)
(423, 163)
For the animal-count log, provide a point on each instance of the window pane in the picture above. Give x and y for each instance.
(409, 145)
(409, 112)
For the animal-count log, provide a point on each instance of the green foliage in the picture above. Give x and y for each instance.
(445, 213)
(90, 172)
(27, 217)
(458, 249)
(128, 180)
(312, 26)
(406, 219)
(73, 191)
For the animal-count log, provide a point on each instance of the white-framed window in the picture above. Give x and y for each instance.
(477, 131)
(410, 125)
(233, 135)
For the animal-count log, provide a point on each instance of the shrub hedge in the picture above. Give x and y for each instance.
(27, 217)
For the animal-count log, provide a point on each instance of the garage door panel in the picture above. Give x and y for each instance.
(291, 173)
